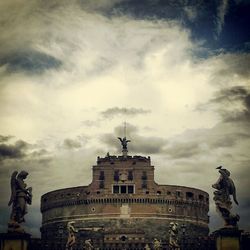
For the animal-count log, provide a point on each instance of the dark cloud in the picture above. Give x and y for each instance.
(227, 141)
(184, 150)
(238, 98)
(237, 64)
(231, 103)
(71, 144)
(29, 61)
(5, 138)
(17, 150)
(111, 112)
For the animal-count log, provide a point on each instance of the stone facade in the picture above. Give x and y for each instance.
(122, 205)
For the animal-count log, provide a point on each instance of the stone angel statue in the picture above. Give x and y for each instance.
(20, 197)
(71, 235)
(124, 142)
(173, 236)
(156, 244)
(224, 189)
(88, 244)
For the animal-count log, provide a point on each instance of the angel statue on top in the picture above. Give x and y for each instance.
(224, 188)
(20, 197)
(124, 142)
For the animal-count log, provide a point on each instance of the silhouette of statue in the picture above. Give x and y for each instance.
(156, 244)
(20, 197)
(71, 236)
(224, 188)
(173, 236)
(124, 142)
(88, 245)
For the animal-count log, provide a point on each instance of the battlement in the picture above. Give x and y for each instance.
(113, 158)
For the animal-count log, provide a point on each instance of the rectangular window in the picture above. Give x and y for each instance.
(123, 189)
(189, 195)
(116, 175)
(101, 184)
(130, 189)
(178, 193)
(101, 176)
(144, 184)
(130, 175)
(116, 189)
(144, 175)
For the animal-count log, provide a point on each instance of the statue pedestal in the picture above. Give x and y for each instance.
(14, 241)
(125, 153)
(228, 239)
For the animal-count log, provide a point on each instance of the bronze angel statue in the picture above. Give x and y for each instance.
(20, 197)
(224, 189)
(124, 142)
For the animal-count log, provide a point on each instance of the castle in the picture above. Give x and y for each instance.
(123, 207)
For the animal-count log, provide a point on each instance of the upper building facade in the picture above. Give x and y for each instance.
(122, 205)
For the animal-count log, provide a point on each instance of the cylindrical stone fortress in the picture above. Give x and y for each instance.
(122, 207)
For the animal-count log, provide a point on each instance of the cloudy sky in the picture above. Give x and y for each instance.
(71, 73)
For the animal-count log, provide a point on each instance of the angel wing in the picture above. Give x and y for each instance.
(232, 190)
(13, 187)
(120, 138)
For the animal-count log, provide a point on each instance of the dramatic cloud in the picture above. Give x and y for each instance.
(233, 104)
(73, 71)
(13, 151)
(30, 62)
(111, 112)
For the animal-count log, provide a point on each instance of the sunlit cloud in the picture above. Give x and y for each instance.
(73, 72)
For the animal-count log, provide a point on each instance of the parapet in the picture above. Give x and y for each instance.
(114, 158)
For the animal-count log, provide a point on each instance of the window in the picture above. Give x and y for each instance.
(101, 184)
(116, 189)
(189, 195)
(101, 176)
(178, 193)
(130, 189)
(144, 175)
(130, 175)
(144, 184)
(116, 175)
(123, 189)
(201, 197)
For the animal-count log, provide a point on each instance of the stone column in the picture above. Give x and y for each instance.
(228, 239)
